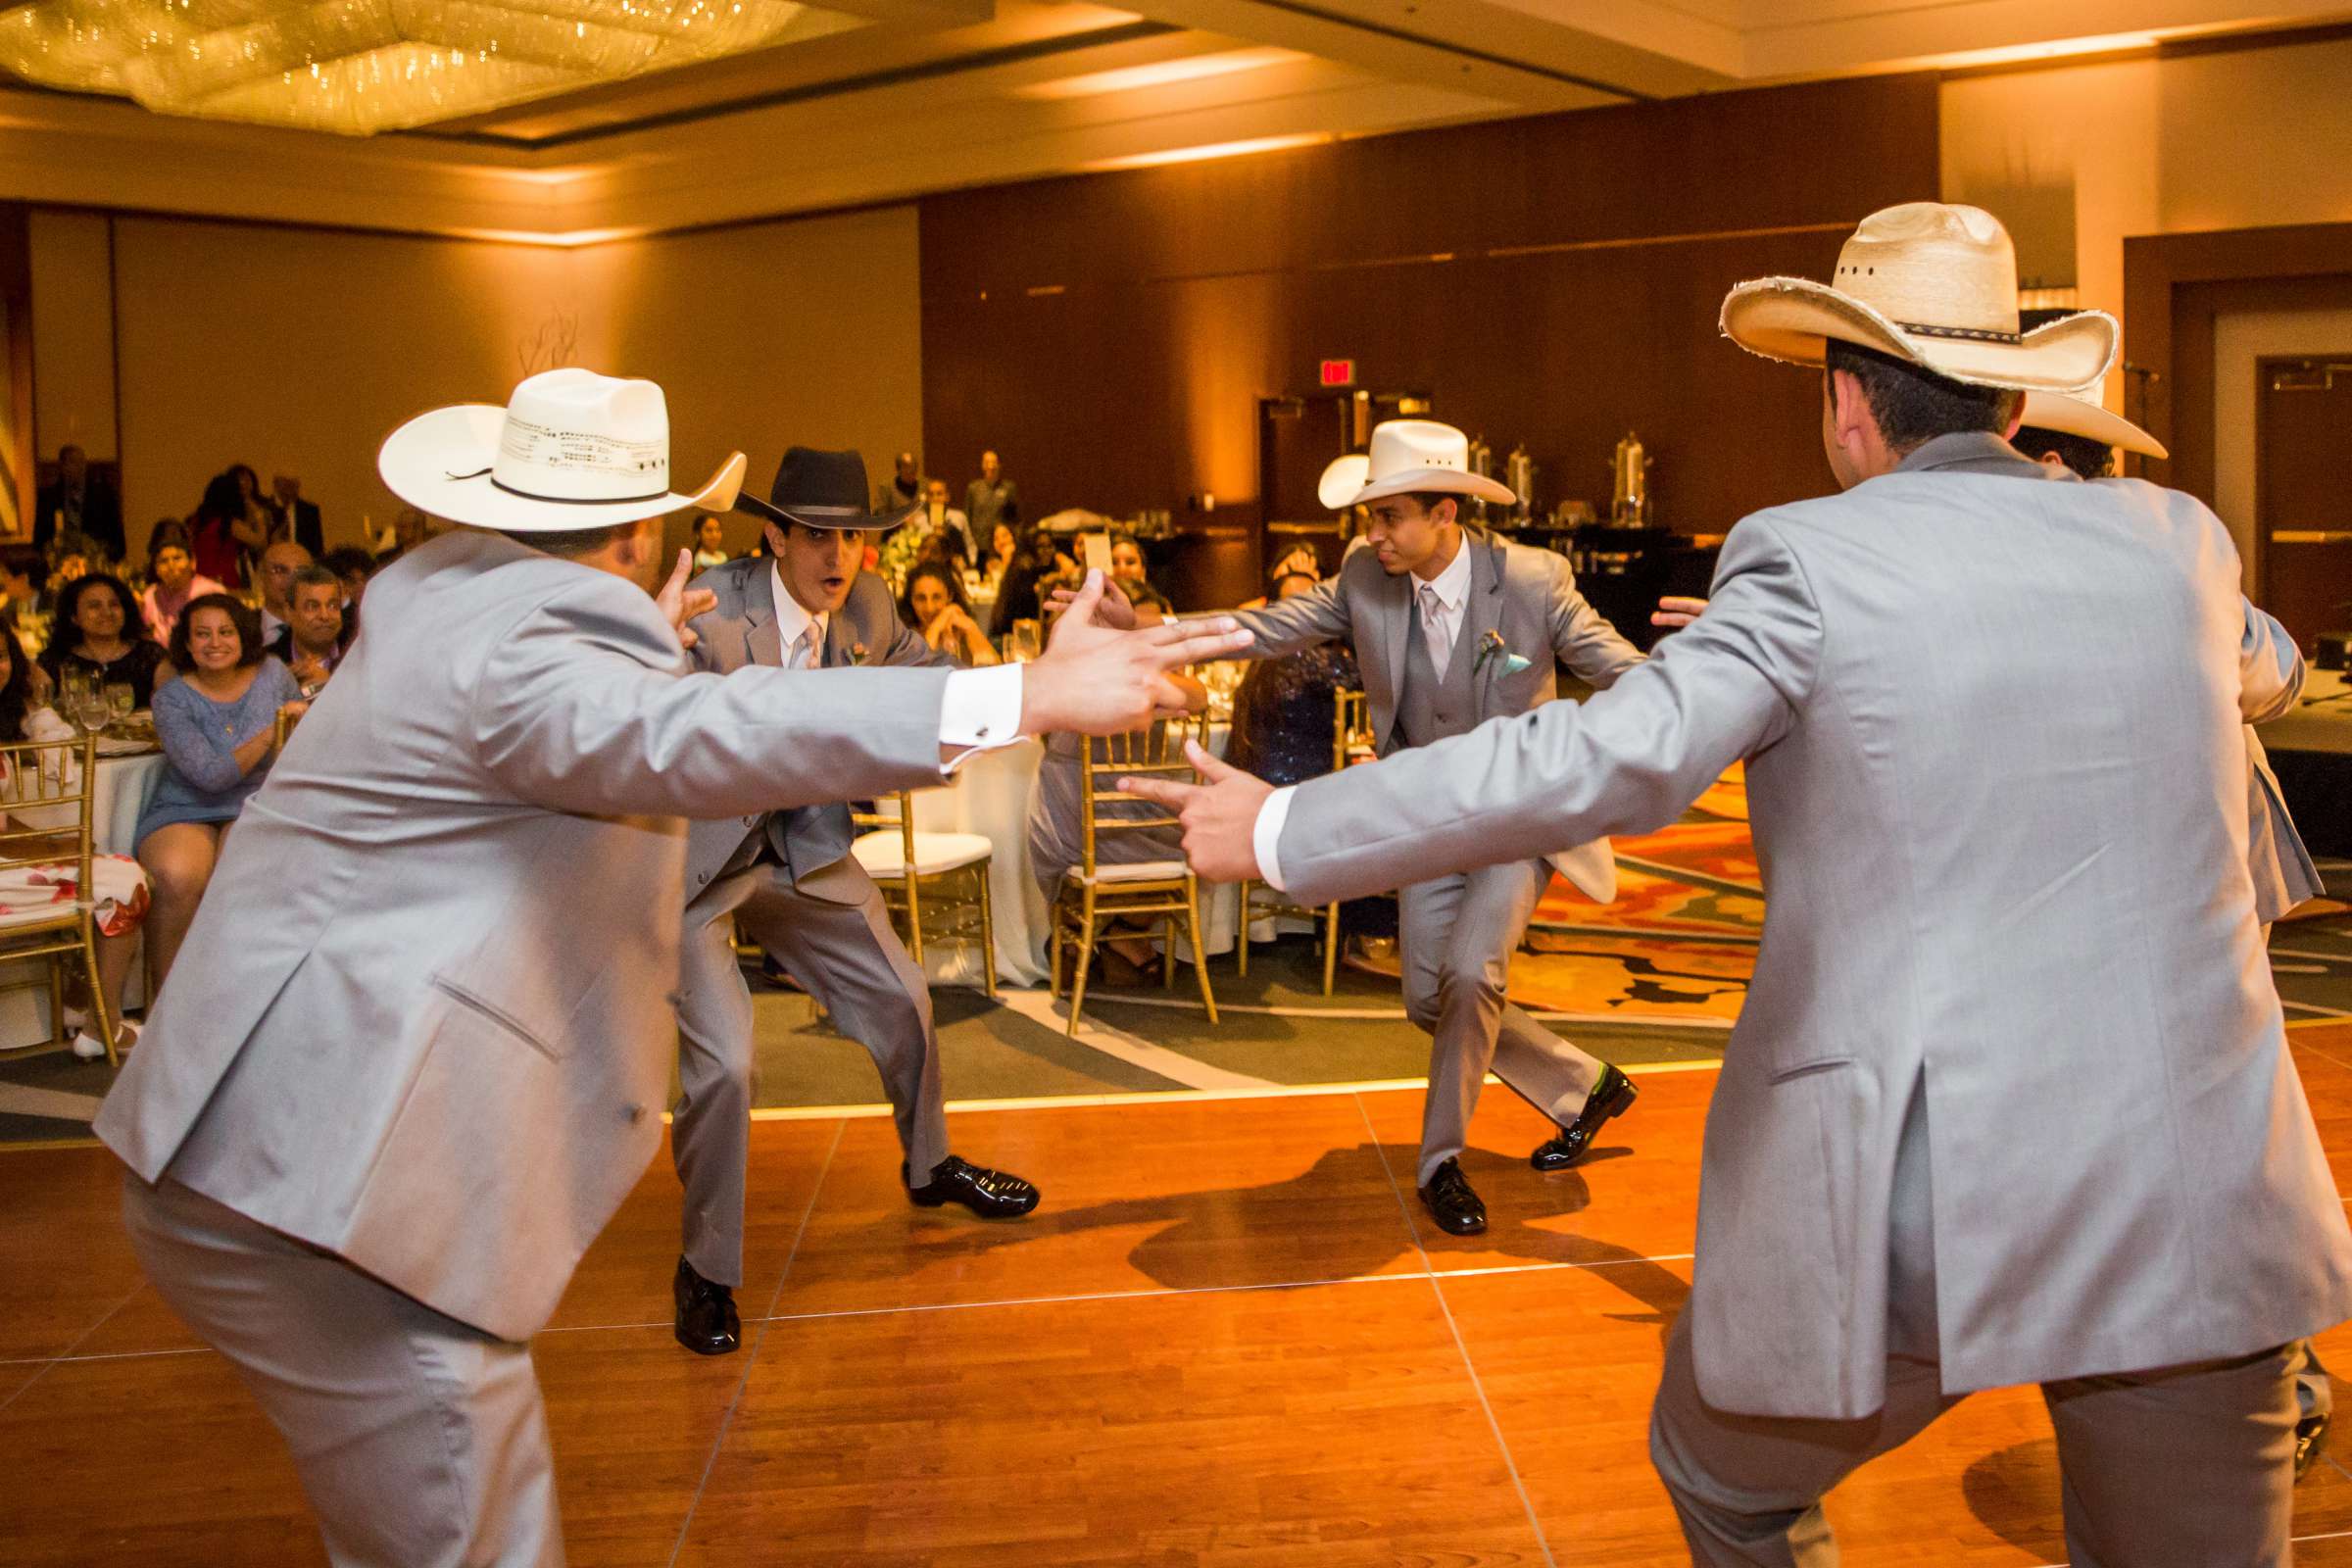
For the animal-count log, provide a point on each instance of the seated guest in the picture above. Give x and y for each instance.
(1058, 830)
(1021, 595)
(228, 521)
(219, 725)
(935, 606)
(171, 563)
(709, 543)
(351, 566)
(1127, 570)
(312, 643)
(281, 559)
(98, 633)
(937, 517)
(1003, 544)
(121, 896)
(1284, 709)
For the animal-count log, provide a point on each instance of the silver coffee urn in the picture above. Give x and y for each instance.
(1629, 506)
(1520, 475)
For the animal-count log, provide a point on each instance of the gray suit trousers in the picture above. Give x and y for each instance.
(1458, 934)
(2185, 1464)
(854, 964)
(420, 1443)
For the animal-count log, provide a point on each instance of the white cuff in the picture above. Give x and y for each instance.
(1266, 834)
(982, 712)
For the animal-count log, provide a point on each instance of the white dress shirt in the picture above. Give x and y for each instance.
(1438, 601)
(978, 716)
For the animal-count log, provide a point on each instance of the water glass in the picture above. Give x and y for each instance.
(122, 699)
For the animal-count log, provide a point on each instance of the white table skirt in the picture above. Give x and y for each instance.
(991, 797)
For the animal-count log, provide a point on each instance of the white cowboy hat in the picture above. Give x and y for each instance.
(570, 450)
(1414, 455)
(1342, 479)
(2081, 414)
(1930, 282)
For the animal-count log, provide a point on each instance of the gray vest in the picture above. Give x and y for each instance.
(1428, 708)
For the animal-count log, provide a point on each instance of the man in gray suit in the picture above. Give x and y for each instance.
(414, 1049)
(1453, 626)
(788, 878)
(2010, 1100)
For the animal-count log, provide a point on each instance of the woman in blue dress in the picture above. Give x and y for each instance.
(219, 725)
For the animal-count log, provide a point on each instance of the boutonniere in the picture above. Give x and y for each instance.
(1492, 646)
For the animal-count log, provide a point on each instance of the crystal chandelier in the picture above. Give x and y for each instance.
(365, 66)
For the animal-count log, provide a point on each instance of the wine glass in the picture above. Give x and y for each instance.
(123, 699)
(91, 710)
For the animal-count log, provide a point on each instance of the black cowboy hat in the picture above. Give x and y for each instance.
(822, 490)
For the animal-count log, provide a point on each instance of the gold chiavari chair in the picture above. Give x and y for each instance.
(902, 860)
(1350, 736)
(1094, 894)
(47, 792)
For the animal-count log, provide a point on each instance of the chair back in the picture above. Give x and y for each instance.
(1155, 752)
(47, 789)
(1350, 728)
(285, 723)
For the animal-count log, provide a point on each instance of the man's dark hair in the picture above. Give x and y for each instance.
(2088, 459)
(313, 575)
(348, 561)
(572, 543)
(1914, 405)
(1427, 501)
(248, 625)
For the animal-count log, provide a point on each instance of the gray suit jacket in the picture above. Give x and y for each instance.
(423, 1020)
(1527, 596)
(1993, 723)
(740, 631)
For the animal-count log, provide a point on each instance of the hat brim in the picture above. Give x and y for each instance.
(1790, 319)
(845, 519)
(2073, 416)
(439, 463)
(1343, 480)
(1443, 481)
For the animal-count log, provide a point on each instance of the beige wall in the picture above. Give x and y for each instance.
(73, 332)
(2148, 146)
(296, 350)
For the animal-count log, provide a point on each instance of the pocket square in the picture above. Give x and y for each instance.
(1513, 663)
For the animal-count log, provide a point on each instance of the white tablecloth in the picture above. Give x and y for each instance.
(123, 785)
(989, 796)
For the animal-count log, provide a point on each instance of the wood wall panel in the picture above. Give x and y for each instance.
(1552, 281)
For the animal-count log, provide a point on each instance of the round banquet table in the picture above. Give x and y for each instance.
(125, 781)
(990, 796)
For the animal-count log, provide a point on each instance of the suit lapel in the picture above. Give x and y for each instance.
(762, 643)
(1400, 600)
(841, 639)
(1481, 611)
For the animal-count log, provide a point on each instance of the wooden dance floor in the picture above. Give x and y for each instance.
(1229, 1337)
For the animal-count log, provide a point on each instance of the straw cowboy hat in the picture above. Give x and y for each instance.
(822, 490)
(2075, 414)
(570, 450)
(1930, 282)
(1410, 455)
(1343, 480)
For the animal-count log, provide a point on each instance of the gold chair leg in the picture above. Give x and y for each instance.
(988, 937)
(100, 1016)
(1053, 913)
(1167, 952)
(915, 920)
(1241, 933)
(1192, 926)
(1331, 946)
(56, 1000)
(1086, 953)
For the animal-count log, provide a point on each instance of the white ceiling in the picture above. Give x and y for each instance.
(937, 95)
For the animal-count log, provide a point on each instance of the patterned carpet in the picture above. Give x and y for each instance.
(1656, 977)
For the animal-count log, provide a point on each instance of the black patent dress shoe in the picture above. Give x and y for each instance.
(989, 1194)
(707, 1323)
(1452, 1203)
(1613, 1095)
(2310, 1436)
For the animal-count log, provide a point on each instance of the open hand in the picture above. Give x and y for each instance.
(679, 604)
(1114, 609)
(1676, 611)
(1095, 679)
(1219, 815)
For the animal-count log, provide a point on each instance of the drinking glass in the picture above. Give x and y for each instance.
(90, 709)
(1025, 642)
(122, 699)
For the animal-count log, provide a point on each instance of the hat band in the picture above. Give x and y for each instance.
(1975, 334)
(560, 501)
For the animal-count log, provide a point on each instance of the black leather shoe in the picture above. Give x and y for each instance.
(1452, 1203)
(989, 1194)
(2310, 1436)
(707, 1323)
(1613, 1095)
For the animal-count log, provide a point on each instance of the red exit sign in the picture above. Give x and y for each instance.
(1339, 373)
